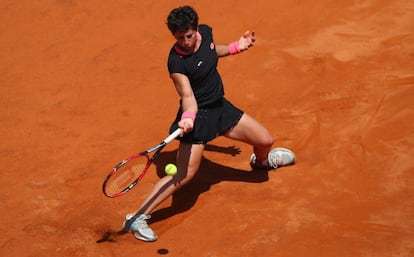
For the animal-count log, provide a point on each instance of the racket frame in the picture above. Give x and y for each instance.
(145, 153)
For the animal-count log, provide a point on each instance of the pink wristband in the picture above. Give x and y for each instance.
(188, 114)
(234, 48)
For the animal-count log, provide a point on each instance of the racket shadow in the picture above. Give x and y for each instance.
(210, 173)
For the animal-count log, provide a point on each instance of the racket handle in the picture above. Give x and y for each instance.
(173, 136)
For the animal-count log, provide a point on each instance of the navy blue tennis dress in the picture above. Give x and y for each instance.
(215, 115)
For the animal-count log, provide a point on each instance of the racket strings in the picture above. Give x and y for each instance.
(126, 175)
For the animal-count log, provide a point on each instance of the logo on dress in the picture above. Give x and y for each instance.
(199, 63)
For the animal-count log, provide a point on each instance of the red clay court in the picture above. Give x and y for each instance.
(85, 84)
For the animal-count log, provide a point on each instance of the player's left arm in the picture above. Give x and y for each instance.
(245, 42)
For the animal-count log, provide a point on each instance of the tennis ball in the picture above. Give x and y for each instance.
(171, 169)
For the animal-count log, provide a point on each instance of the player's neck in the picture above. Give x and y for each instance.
(182, 51)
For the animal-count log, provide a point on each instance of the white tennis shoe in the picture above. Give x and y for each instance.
(276, 158)
(138, 226)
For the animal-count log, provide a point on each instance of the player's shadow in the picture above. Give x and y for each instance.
(210, 173)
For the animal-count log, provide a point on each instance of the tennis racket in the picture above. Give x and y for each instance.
(126, 174)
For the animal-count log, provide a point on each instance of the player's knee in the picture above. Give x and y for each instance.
(184, 177)
(263, 142)
(191, 173)
(267, 140)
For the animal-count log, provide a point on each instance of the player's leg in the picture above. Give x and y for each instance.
(250, 131)
(189, 157)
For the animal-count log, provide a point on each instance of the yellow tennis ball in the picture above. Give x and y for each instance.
(171, 169)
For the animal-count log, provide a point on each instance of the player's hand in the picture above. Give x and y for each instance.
(247, 40)
(186, 125)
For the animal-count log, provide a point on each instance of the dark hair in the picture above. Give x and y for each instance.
(182, 19)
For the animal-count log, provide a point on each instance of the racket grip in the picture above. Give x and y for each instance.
(173, 136)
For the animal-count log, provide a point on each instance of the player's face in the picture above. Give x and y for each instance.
(187, 40)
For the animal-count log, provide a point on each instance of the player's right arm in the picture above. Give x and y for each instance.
(188, 100)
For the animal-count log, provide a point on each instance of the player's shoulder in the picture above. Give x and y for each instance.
(205, 27)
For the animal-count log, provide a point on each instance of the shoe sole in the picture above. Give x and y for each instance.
(139, 237)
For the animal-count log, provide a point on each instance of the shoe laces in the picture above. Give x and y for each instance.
(141, 222)
(276, 159)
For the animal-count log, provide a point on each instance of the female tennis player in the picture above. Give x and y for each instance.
(204, 113)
